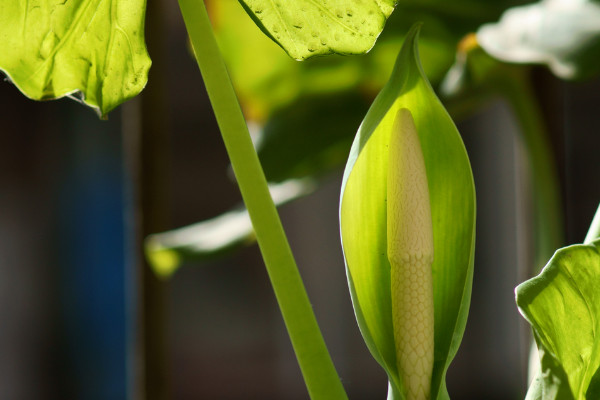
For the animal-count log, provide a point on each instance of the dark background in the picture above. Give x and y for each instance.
(68, 286)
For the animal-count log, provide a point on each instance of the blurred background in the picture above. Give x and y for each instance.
(73, 186)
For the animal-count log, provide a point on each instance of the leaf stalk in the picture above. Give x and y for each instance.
(313, 357)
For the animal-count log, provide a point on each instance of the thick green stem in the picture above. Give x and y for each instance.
(317, 368)
(594, 231)
(549, 232)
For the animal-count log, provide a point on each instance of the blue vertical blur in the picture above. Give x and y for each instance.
(90, 250)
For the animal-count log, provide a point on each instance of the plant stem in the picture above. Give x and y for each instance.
(594, 232)
(317, 368)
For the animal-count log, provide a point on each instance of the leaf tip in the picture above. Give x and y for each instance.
(164, 262)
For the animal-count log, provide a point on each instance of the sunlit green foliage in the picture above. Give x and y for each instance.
(306, 28)
(562, 305)
(93, 50)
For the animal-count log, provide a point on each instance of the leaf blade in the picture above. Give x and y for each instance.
(53, 49)
(563, 306)
(306, 28)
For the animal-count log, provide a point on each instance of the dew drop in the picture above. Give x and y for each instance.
(339, 13)
(314, 34)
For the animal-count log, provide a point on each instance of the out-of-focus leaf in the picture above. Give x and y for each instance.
(93, 50)
(562, 34)
(208, 239)
(306, 28)
(266, 79)
(477, 77)
(562, 304)
(289, 148)
(311, 109)
(363, 218)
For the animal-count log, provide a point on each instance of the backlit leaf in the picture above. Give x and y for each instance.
(306, 28)
(91, 49)
(562, 304)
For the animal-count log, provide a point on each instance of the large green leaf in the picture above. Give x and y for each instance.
(562, 34)
(306, 28)
(363, 218)
(562, 304)
(91, 49)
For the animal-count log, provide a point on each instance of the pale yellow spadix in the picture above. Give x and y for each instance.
(410, 253)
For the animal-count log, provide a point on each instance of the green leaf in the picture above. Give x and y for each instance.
(562, 304)
(93, 50)
(306, 28)
(562, 34)
(310, 138)
(267, 79)
(167, 251)
(363, 218)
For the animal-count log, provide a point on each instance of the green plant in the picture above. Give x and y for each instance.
(367, 214)
(94, 51)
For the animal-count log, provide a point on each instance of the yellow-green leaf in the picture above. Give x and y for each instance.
(91, 49)
(562, 304)
(306, 28)
(363, 219)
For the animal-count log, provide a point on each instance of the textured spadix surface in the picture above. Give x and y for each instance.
(363, 219)
(92, 49)
(410, 253)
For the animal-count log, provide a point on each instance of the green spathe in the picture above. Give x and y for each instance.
(363, 216)
(90, 49)
(562, 304)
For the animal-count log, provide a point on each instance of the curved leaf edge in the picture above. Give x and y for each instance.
(331, 51)
(77, 95)
(551, 382)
